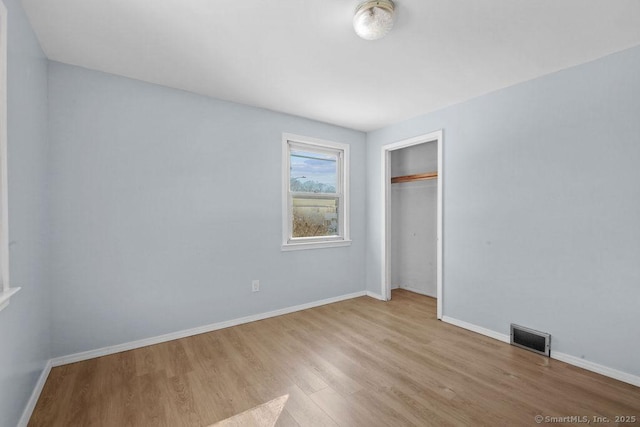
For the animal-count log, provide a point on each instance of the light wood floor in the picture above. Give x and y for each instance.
(360, 362)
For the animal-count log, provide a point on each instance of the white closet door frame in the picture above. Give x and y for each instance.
(386, 217)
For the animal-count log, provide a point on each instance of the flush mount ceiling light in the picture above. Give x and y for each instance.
(373, 19)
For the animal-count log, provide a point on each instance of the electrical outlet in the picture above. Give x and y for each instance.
(255, 286)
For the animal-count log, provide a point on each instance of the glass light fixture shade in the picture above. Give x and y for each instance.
(373, 19)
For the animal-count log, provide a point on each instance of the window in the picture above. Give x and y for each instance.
(5, 290)
(315, 193)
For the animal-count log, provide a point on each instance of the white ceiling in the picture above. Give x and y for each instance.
(302, 57)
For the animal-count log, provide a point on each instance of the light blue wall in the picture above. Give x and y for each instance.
(165, 205)
(24, 324)
(541, 208)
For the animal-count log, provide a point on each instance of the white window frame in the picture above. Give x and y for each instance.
(5, 290)
(342, 192)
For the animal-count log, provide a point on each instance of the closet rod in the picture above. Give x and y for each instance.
(416, 177)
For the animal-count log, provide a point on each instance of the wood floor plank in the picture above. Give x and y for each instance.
(356, 362)
(283, 361)
(52, 404)
(153, 400)
(114, 391)
(342, 410)
(77, 412)
(147, 360)
(213, 403)
(183, 410)
(304, 410)
(286, 420)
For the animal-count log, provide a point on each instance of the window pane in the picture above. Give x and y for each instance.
(315, 217)
(313, 172)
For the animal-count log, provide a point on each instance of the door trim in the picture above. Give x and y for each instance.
(386, 217)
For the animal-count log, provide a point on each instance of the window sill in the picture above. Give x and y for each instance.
(315, 245)
(6, 295)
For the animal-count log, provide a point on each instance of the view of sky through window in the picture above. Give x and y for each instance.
(313, 172)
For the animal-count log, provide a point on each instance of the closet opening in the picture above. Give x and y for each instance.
(412, 217)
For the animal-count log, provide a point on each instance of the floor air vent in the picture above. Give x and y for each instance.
(530, 339)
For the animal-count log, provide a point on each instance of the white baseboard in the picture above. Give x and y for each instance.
(417, 291)
(478, 329)
(563, 357)
(104, 351)
(376, 296)
(597, 368)
(35, 395)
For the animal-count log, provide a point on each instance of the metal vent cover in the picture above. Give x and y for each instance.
(530, 339)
